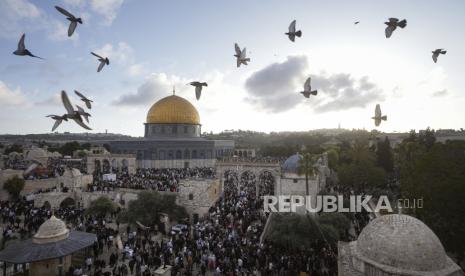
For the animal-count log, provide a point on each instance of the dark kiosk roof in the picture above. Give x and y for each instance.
(27, 251)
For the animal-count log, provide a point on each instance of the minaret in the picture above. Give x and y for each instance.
(174, 90)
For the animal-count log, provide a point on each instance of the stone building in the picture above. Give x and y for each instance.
(292, 183)
(49, 252)
(395, 245)
(173, 138)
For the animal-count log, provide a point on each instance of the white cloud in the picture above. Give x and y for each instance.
(122, 53)
(54, 100)
(21, 16)
(106, 8)
(155, 86)
(11, 98)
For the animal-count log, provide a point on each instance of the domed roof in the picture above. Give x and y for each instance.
(173, 110)
(291, 165)
(52, 230)
(403, 242)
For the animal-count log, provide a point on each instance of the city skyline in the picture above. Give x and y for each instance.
(155, 46)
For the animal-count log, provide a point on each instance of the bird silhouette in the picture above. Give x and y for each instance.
(436, 54)
(58, 120)
(102, 60)
(308, 89)
(198, 88)
(240, 55)
(84, 99)
(73, 114)
(356, 22)
(22, 51)
(392, 25)
(73, 20)
(378, 116)
(292, 32)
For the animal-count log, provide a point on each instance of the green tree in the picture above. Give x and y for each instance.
(69, 148)
(101, 207)
(436, 175)
(333, 159)
(148, 207)
(306, 167)
(13, 148)
(14, 186)
(384, 156)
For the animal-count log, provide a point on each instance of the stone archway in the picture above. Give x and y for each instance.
(106, 168)
(47, 205)
(68, 202)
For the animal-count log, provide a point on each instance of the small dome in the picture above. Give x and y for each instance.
(52, 230)
(401, 241)
(291, 165)
(173, 110)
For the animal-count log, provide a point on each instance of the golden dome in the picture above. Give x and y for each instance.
(173, 110)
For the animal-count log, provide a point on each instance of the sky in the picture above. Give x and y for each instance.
(155, 45)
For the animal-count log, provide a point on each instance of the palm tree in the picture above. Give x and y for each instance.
(307, 167)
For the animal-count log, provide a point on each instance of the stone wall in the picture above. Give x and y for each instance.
(176, 163)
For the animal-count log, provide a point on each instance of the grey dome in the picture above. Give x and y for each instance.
(401, 241)
(291, 165)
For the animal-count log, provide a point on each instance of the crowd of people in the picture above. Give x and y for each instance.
(151, 179)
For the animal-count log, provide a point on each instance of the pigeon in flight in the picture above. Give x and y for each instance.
(58, 119)
(436, 54)
(378, 116)
(22, 51)
(241, 55)
(198, 88)
(393, 24)
(102, 60)
(308, 89)
(356, 22)
(83, 113)
(84, 99)
(73, 114)
(71, 18)
(292, 32)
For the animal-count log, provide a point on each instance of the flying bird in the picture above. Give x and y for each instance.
(198, 88)
(84, 99)
(58, 120)
(22, 51)
(73, 114)
(102, 60)
(356, 22)
(292, 32)
(241, 55)
(308, 89)
(73, 20)
(436, 54)
(393, 24)
(83, 113)
(378, 116)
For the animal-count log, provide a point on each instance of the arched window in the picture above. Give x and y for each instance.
(187, 154)
(170, 155)
(178, 154)
(194, 154)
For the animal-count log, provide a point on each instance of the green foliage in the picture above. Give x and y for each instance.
(307, 168)
(361, 177)
(333, 159)
(14, 186)
(338, 221)
(436, 173)
(384, 156)
(294, 231)
(149, 205)
(69, 148)
(101, 207)
(279, 151)
(13, 148)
